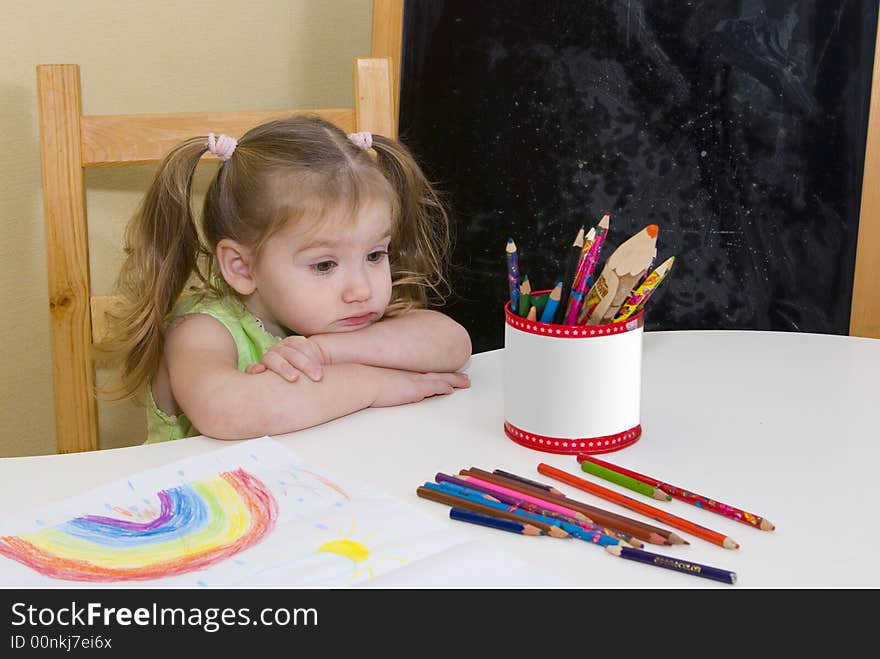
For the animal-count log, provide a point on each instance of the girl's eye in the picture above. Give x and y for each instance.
(323, 266)
(378, 255)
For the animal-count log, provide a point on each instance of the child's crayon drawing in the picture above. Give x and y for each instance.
(248, 515)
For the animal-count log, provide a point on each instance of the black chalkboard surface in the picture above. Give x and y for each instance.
(738, 127)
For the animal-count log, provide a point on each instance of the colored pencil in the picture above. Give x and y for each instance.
(593, 257)
(463, 515)
(513, 275)
(578, 287)
(676, 564)
(527, 481)
(513, 498)
(579, 528)
(550, 526)
(462, 502)
(637, 299)
(698, 500)
(589, 532)
(501, 487)
(624, 481)
(628, 502)
(552, 305)
(533, 313)
(525, 296)
(574, 255)
(637, 528)
(626, 265)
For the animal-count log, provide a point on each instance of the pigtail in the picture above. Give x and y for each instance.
(162, 252)
(423, 240)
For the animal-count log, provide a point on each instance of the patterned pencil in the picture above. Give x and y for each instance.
(641, 530)
(589, 239)
(593, 257)
(513, 274)
(578, 287)
(698, 500)
(463, 515)
(636, 301)
(624, 481)
(676, 564)
(552, 305)
(628, 502)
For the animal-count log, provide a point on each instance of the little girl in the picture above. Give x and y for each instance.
(316, 254)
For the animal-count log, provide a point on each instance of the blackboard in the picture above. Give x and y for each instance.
(738, 127)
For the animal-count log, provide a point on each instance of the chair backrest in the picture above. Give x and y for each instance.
(70, 142)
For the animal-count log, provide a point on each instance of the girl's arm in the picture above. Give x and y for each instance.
(224, 403)
(420, 340)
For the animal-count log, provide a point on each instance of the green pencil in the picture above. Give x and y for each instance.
(625, 481)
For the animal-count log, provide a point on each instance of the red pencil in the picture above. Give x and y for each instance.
(628, 502)
(698, 500)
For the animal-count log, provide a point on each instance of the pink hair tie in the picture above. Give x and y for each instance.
(223, 147)
(363, 139)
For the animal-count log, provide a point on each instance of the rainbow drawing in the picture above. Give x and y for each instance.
(199, 524)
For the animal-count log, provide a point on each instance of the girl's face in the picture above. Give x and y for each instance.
(331, 277)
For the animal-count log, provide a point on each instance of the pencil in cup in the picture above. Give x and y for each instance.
(698, 500)
(583, 531)
(624, 481)
(464, 515)
(549, 312)
(641, 530)
(628, 502)
(513, 274)
(670, 563)
(426, 492)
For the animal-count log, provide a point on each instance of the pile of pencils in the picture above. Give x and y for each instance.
(580, 297)
(508, 502)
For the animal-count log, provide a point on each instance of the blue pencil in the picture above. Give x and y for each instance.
(549, 312)
(670, 563)
(513, 275)
(494, 522)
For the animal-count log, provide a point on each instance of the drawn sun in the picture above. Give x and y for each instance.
(356, 550)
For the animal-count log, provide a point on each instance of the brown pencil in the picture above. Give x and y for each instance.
(639, 529)
(528, 481)
(460, 502)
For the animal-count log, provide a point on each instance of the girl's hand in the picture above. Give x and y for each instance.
(290, 357)
(402, 387)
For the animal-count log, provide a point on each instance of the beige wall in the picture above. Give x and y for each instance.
(135, 56)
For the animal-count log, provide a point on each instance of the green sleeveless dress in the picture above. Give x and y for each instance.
(251, 340)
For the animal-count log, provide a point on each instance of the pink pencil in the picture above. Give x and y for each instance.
(549, 505)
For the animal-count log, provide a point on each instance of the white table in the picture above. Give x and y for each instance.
(779, 424)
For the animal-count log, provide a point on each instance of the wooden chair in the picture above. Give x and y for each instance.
(70, 142)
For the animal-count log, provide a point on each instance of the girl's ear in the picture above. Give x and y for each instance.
(236, 266)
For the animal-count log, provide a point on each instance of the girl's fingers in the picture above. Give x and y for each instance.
(278, 364)
(305, 363)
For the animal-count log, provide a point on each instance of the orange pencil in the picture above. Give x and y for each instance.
(638, 506)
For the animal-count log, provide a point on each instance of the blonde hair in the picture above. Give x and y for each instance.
(280, 171)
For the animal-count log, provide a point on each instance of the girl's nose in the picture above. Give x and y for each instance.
(357, 287)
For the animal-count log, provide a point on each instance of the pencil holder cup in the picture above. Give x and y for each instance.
(572, 388)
